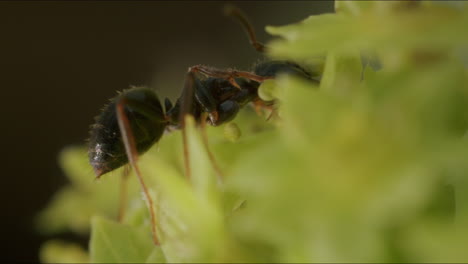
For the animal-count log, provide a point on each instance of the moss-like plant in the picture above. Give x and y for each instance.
(369, 166)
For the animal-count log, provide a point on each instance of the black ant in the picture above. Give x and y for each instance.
(134, 120)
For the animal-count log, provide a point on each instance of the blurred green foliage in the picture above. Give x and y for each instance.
(369, 167)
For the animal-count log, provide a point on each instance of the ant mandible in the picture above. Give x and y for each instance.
(134, 120)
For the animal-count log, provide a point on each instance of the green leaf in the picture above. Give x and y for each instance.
(368, 166)
(71, 208)
(74, 162)
(352, 7)
(156, 256)
(342, 74)
(189, 212)
(57, 251)
(112, 242)
(387, 33)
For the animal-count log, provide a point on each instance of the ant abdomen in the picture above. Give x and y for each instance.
(146, 119)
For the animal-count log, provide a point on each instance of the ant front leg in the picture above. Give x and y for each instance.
(132, 155)
(186, 107)
(228, 75)
(195, 91)
(210, 154)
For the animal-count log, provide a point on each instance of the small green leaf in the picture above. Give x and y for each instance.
(232, 132)
(189, 210)
(112, 242)
(266, 91)
(71, 208)
(353, 7)
(56, 251)
(74, 161)
(156, 256)
(342, 74)
(387, 33)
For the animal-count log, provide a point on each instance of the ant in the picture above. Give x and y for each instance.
(134, 120)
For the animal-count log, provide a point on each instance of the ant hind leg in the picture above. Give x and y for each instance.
(123, 192)
(132, 155)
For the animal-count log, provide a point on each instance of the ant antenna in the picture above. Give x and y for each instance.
(236, 13)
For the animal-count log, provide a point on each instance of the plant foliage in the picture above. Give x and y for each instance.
(369, 166)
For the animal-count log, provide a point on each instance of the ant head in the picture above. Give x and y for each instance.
(146, 118)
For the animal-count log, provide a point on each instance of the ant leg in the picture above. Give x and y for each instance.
(186, 154)
(204, 97)
(206, 101)
(259, 105)
(236, 13)
(132, 155)
(229, 75)
(123, 193)
(186, 105)
(274, 112)
(206, 144)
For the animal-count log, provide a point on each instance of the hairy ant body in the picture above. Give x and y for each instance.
(135, 119)
(216, 98)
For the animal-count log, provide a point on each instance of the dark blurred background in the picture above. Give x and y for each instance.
(61, 61)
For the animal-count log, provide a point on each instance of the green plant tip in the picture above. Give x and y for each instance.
(267, 90)
(232, 132)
